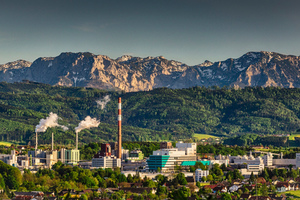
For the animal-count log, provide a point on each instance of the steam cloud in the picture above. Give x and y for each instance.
(87, 123)
(51, 121)
(102, 102)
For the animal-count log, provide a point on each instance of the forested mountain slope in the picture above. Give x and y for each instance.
(154, 115)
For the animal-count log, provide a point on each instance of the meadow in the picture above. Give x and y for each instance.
(5, 143)
(204, 136)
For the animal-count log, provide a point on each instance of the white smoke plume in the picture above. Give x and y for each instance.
(51, 121)
(102, 102)
(87, 123)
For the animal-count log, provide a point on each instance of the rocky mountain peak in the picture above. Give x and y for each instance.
(124, 58)
(134, 73)
(206, 63)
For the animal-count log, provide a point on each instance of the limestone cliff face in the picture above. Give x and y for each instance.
(135, 74)
(14, 71)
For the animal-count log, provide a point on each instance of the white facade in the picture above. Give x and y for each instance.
(106, 162)
(172, 157)
(189, 148)
(125, 154)
(297, 160)
(220, 162)
(255, 167)
(170, 152)
(268, 159)
(200, 173)
(247, 173)
(10, 159)
(247, 160)
(51, 158)
(284, 162)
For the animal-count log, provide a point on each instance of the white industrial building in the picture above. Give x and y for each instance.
(220, 160)
(106, 162)
(10, 159)
(189, 148)
(14, 160)
(268, 159)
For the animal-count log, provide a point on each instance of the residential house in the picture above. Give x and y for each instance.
(259, 198)
(283, 186)
(28, 195)
(139, 190)
(220, 188)
(234, 188)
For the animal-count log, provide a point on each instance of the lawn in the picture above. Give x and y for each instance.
(5, 143)
(203, 184)
(292, 137)
(295, 194)
(204, 136)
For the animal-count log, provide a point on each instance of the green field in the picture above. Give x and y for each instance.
(203, 184)
(204, 136)
(295, 194)
(5, 143)
(292, 137)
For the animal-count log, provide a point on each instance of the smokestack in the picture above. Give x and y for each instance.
(52, 142)
(87, 123)
(119, 129)
(36, 140)
(76, 140)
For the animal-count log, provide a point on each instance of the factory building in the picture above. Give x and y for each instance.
(166, 159)
(220, 160)
(10, 159)
(268, 159)
(37, 157)
(49, 158)
(69, 156)
(253, 164)
(105, 159)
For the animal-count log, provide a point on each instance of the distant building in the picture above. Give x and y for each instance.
(253, 164)
(125, 154)
(114, 150)
(221, 160)
(136, 155)
(167, 159)
(69, 156)
(297, 160)
(106, 162)
(105, 159)
(37, 157)
(10, 159)
(105, 150)
(49, 158)
(268, 159)
(200, 173)
(166, 145)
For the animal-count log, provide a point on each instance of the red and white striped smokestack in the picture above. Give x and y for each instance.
(36, 140)
(119, 128)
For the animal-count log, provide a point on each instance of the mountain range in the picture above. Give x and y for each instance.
(130, 73)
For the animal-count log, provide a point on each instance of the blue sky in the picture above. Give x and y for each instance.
(190, 31)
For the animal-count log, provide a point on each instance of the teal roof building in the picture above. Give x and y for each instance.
(193, 163)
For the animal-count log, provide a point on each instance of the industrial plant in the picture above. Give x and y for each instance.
(112, 155)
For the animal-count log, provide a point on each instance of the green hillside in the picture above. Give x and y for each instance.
(160, 114)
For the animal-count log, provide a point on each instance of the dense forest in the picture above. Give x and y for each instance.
(160, 114)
